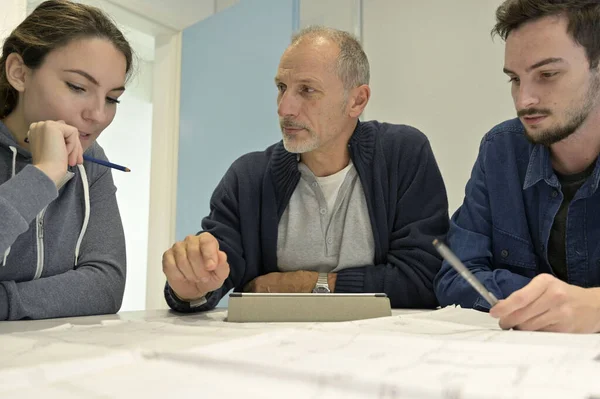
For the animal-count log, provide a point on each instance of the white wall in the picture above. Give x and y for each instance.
(165, 146)
(11, 14)
(127, 141)
(172, 14)
(339, 14)
(435, 66)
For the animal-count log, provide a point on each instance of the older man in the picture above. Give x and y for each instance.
(339, 205)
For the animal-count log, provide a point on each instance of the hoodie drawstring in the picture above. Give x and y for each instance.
(14, 167)
(86, 218)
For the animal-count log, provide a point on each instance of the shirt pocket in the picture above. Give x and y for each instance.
(513, 253)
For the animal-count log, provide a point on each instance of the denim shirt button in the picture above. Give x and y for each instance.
(504, 253)
(554, 194)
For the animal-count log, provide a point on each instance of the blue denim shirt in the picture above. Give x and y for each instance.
(501, 231)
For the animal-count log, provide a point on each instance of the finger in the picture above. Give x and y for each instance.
(222, 257)
(557, 327)
(560, 315)
(30, 131)
(73, 144)
(80, 156)
(193, 250)
(170, 268)
(259, 288)
(79, 149)
(540, 322)
(259, 284)
(70, 144)
(520, 316)
(182, 262)
(73, 159)
(521, 298)
(250, 286)
(209, 247)
(71, 153)
(222, 270)
(195, 260)
(78, 152)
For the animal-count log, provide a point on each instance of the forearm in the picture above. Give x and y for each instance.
(88, 290)
(305, 281)
(21, 199)
(300, 281)
(474, 249)
(596, 306)
(208, 302)
(406, 286)
(453, 289)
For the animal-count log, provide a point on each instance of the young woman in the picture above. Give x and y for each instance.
(62, 248)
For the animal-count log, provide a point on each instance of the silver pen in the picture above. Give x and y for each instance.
(464, 272)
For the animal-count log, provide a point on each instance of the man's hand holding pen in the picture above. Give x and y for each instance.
(549, 304)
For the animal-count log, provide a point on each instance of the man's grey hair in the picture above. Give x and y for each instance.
(352, 63)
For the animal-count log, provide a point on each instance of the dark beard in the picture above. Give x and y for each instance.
(559, 133)
(576, 117)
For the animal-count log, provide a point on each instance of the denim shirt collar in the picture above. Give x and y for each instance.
(540, 168)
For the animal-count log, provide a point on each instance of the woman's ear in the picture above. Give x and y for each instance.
(16, 71)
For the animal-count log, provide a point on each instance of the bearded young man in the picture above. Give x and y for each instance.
(529, 227)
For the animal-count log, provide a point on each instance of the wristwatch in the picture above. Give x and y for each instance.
(322, 286)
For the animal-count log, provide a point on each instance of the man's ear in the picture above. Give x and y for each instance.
(16, 71)
(359, 97)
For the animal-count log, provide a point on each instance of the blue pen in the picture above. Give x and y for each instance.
(106, 163)
(99, 161)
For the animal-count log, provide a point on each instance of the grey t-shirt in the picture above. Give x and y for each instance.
(315, 236)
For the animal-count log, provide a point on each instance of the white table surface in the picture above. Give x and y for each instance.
(31, 342)
(160, 315)
(448, 349)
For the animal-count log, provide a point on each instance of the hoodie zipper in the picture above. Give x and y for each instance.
(39, 221)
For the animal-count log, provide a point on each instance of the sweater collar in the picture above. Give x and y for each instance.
(284, 164)
(362, 144)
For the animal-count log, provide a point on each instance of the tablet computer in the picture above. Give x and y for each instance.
(306, 307)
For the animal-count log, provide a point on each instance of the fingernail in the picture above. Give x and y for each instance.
(205, 279)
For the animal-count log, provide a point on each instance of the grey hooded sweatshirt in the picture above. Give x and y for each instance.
(62, 252)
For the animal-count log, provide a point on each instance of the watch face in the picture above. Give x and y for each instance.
(321, 290)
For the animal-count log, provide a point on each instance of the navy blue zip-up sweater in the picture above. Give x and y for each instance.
(407, 204)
